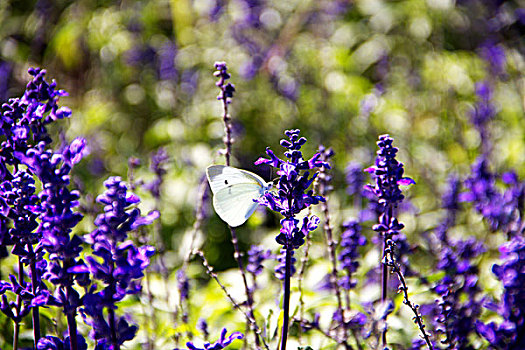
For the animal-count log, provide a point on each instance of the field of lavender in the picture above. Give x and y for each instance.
(384, 143)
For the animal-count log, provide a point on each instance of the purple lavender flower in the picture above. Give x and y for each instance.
(119, 264)
(25, 150)
(227, 89)
(451, 201)
(388, 177)
(292, 197)
(509, 334)
(202, 325)
(355, 179)
(498, 208)
(24, 120)
(459, 304)
(292, 190)
(139, 56)
(256, 256)
(157, 166)
(389, 174)
(482, 113)
(495, 56)
(222, 343)
(351, 239)
(166, 61)
(183, 284)
(5, 76)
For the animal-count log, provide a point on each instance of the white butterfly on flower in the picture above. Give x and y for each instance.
(234, 192)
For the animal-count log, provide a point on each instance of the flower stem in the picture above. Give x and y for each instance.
(35, 311)
(384, 287)
(418, 319)
(389, 213)
(113, 328)
(250, 319)
(16, 332)
(286, 301)
(249, 295)
(72, 329)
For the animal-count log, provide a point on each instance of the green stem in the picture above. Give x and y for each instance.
(286, 301)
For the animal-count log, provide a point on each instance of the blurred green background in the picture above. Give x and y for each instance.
(140, 76)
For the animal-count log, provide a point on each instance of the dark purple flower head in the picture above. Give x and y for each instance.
(450, 198)
(222, 343)
(292, 189)
(227, 89)
(388, 174)
(141, 55)
(482, 113)
(23, 121)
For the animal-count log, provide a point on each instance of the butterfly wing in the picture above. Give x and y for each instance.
(235, 204)
(234, 191)
(222, 176)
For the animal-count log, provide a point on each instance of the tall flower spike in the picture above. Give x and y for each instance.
(293, 196)
(351, 240)
(116, 262)
(24, 155)
(455, 315)
(388, 174)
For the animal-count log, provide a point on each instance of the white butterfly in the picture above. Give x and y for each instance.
(234, 191)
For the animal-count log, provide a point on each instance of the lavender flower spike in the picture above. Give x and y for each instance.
(292, 197)
(119, 264)
(388, 176)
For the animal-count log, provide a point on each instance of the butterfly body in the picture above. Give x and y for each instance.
(234, 191)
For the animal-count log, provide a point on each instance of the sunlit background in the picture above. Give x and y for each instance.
(140, 77)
